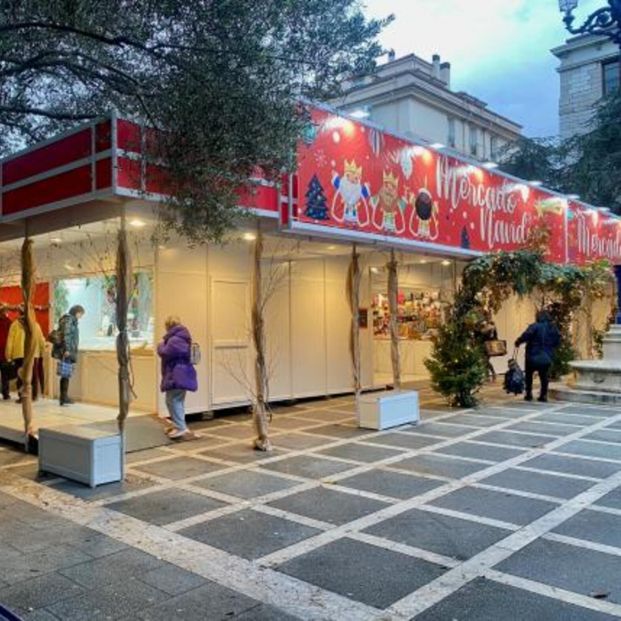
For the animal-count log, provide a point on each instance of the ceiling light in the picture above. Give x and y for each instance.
(573, 197)
(360, 113)
(374, 270)
(331, 247)
(137, 223)
(423, 261)
(446, 262)
(437, 145)
(536, 183)
(56, 240)
(69, 267)
(249, 236)
(490, 165)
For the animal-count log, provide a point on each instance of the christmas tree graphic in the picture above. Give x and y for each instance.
(316, 203)
(465, 238)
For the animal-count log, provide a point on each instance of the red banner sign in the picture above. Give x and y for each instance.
(354, 177)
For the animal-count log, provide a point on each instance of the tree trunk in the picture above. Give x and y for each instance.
(393, 292)
(260, 413)
(353, 298)
(28, 286)
(123, 294)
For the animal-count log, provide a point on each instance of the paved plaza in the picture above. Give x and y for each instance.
(508, 512)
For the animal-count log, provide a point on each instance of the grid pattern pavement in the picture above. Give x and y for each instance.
(510, 511)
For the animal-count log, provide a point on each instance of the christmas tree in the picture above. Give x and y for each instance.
(316, 203)
(465, 238)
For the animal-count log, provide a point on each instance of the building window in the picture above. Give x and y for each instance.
(493, 147)
(451, 133)
(612, 76)
(474, 140)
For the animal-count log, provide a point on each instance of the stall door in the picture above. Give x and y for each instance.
(231, 350)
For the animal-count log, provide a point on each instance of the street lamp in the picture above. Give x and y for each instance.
(605, 21)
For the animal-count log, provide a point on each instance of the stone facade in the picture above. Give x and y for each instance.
(582, 80)
(413, 97)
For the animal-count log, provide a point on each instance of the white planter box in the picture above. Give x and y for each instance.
(391, 408)
(82, 454)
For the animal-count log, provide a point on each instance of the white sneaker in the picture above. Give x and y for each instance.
(177, 434)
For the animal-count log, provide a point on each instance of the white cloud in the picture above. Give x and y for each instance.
(499, 49)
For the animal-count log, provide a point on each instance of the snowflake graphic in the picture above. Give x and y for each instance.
(320, 158)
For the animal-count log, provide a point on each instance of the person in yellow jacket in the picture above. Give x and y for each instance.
(14, 353)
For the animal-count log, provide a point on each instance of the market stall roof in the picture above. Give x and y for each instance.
(354, 182)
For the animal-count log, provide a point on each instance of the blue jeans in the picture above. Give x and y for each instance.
(176, 407)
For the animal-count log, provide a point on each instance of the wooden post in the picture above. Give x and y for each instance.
(261, 380)
(393, 292)
(30, 321)
(124, 278)
(353, 298)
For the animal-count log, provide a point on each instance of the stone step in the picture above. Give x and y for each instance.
(561, 392)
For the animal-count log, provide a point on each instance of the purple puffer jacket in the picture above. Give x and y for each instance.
(177, 371)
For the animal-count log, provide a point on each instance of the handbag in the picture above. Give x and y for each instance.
(496, 347)
(64, 369)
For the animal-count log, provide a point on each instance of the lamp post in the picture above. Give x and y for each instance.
(605, 21)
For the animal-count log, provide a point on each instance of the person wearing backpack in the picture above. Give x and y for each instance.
(542, 339)
(178, 373)
(66, 340)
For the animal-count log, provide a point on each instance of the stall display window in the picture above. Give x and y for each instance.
(97, 294)
(420, 314)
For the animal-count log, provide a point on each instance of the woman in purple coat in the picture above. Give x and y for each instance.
(178, 373)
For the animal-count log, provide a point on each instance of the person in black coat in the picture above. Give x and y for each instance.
(541, 338)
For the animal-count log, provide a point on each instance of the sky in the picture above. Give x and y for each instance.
(499, 50)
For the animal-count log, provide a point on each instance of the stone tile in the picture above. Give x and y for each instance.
(289, 423)
(165, 506)
(323, 416)
(112, 568)
(475, 450)
(403, 440)
(116, 599)
(553, 429)
(340, 431)
(566, 419)
(611, 499)
(91, 542)
(233, 432)
(525, 440)
(298, 441)
(516, 410)
(442, 534)
(390, 483)
(132, 458)
(361, 452)
(573, 465)
(248, 533)
(567, 567)
(210, 601)
(241, 453)
(177, 468)
(30, 471)
(39, 615)
(264, 612)
(14, 569)
(537, 483)
(591, 449)
(9, 457)
(328, 505)
(309, 466)
(595, 526)
(474, 420)
(172, 580)
(605, 435)
(485, 600)
(616, 425)
(445, 430)
(363, 572)
(39, 592)
(246, 483)
(496, 505)
(584, 410)
(441, 466)
(131, 483)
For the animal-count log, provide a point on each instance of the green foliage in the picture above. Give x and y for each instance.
(588, 164)
(61, 300)
(221, 80)
(457, 366)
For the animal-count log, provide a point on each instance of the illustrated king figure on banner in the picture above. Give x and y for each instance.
(388, 206)
(350, 199)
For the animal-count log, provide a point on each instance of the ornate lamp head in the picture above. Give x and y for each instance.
(567, 6)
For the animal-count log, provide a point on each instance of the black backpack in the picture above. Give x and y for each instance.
(514, 379)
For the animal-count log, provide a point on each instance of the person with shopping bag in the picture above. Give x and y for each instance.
(542, 338)
(66, 340)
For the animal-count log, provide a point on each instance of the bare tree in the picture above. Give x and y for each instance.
(354, 276)
(393, 291)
